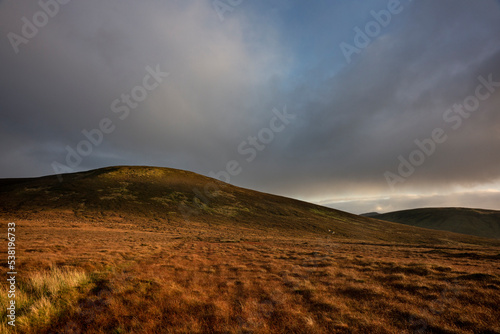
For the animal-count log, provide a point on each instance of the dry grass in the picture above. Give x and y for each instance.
(41, 297)
(195, 279)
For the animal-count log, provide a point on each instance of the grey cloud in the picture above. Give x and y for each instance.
(352, 120)
(397, 91)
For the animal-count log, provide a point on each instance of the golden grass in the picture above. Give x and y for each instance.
(41, 297)
(191, 280)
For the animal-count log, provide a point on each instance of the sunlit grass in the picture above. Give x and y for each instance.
(200, 279)
(42, 296)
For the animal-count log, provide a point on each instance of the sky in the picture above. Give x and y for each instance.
(357, 105)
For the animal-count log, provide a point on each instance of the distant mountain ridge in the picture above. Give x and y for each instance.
(477, 222)
(155, 199)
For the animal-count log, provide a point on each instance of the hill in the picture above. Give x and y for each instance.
(158, 199)
(370, 214)
(478, 222)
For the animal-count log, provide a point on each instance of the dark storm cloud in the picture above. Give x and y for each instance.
(352, 119)
(396, 91)
(65, 79)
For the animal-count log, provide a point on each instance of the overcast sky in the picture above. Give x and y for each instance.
(334, 95)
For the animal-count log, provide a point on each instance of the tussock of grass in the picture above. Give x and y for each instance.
(55, 281)
(42, 296)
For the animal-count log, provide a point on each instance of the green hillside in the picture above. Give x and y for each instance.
(478, 222)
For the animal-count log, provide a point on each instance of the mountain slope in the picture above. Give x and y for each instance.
(478, 222)
(159, 199)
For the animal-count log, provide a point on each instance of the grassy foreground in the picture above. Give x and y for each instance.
(86, 278)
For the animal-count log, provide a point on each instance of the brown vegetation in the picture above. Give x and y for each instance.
(197, 280)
